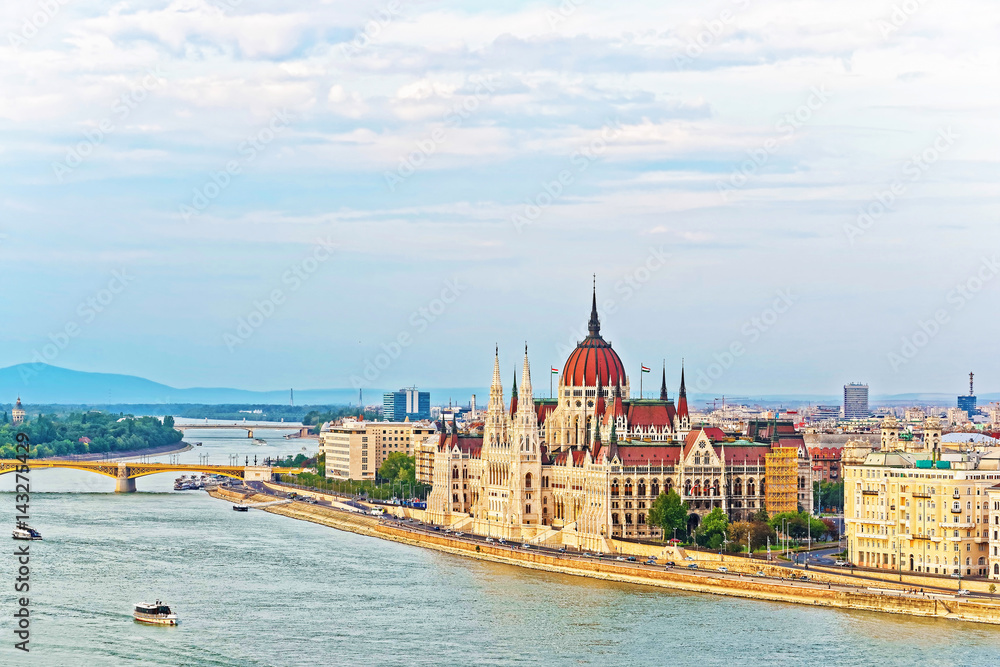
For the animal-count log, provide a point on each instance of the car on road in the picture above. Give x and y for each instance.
(671, 564)
(692, 566)
(688, 558)
(650, 562)
(631, 559)
(437, 528)
(962, 591)
(621, 558)
(460, 534)
(840, 562)
(722, 569)
(804, 578)
(760, 573)
(526, 545)
(489, 540)
(562, 550)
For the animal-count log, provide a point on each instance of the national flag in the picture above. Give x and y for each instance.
(645, 370)
(555, 370)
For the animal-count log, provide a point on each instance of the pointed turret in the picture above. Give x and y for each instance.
(526, 393)
(682, 401)
(594, 326)
(513, 396)
(663, 382)
(619, 408)
(496, 389)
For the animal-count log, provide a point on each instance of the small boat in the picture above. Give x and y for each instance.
(154, 614)
(23, 531)
(240, 508)
(259, 441)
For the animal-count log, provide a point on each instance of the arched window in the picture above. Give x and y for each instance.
(715, 488)
(454, 473)
(527, 482)
(654, 489)
(687, 488)
(642, 488)
(697, 487)
(614, 487)
(738, 487)
(628, 488)
(641, 519)
(750, 488)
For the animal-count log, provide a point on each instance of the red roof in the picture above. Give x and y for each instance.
(645, 414)
(826, 452)
(750, 455)
(543, 410)
(592, 356)
(642, 455)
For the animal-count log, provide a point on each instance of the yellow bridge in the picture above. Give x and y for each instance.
(125, 472)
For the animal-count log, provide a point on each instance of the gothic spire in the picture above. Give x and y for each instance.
(513, 396)
(594, 326)
(663, 382)
(682, 401)
(496, 389)
(526, 390)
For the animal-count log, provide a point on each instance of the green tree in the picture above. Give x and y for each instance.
(398, 467)
(711, 532)
(669, 513)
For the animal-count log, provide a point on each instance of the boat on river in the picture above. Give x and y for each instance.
(23, 531)
(241, 508)
(154, 614)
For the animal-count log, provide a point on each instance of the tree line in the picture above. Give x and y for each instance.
(61, 436)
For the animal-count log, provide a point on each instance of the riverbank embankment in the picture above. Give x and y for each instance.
(760, 588)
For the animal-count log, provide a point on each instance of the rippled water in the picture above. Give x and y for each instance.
(261, 589)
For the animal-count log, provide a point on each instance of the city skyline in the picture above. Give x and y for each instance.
(280, 209)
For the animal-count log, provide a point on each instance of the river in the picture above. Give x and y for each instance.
(262, 589)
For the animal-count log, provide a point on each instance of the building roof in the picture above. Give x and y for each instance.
(593, 357)
(648, 455)
(650, 413)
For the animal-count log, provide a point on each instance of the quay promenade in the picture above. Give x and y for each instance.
(822, 589)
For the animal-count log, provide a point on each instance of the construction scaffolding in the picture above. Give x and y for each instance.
(781, 475)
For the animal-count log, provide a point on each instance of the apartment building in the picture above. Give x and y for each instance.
(357, 449)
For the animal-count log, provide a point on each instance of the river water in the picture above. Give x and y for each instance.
(262, 589)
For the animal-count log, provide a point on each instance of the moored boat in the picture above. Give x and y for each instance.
(240, 508)
(154, 614)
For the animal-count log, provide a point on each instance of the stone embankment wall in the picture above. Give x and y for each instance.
(675, 578)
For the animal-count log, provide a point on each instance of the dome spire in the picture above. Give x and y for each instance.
(594, 326)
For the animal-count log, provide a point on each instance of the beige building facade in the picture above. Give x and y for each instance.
(357, 449)
(917, 507)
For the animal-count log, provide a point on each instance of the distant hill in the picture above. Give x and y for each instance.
(43, 384)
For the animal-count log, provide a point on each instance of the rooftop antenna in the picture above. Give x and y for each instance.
(971, 376)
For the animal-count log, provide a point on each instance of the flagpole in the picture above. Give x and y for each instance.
(640, 382)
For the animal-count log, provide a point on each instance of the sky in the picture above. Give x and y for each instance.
(784, 196)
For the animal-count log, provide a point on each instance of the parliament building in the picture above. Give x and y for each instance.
(586, 466)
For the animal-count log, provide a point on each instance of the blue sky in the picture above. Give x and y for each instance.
(789, 196)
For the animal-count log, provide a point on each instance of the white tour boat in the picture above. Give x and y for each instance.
(23, 531)
(154, 614)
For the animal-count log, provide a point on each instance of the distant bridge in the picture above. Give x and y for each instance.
(242, 427)
(125, 473)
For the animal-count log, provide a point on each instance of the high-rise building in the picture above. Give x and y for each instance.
(406, 403)
(856, 401)
(968, 403)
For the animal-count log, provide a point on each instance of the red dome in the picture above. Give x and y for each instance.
(591, 357)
